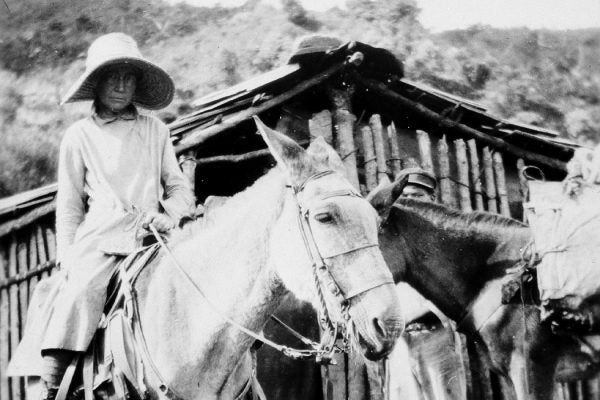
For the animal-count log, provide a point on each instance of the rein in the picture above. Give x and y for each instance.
(323, 352)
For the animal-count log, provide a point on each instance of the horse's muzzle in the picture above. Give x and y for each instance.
(386, 332)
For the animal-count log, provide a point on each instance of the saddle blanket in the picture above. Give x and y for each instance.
(565, 230)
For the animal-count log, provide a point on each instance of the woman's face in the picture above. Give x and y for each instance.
(116, 87)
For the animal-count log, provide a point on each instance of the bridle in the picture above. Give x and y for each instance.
(324, 276)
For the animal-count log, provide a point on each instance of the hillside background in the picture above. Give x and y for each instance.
(539, 77)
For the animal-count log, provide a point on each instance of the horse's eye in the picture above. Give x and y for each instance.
(324, 217)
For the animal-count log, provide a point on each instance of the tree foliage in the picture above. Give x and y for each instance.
(541, 77)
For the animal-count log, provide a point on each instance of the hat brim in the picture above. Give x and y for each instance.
(154, 90)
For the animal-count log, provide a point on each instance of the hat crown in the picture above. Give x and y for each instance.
(109, 47)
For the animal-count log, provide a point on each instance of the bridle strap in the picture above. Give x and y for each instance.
(300, 188)
(254, 335)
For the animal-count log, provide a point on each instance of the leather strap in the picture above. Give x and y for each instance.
(117, 345)
(88, 375)
(65, 384)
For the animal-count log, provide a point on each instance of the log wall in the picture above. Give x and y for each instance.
(26, 255)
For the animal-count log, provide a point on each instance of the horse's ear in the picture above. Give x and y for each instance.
(382, 198)
(288, 154)
(326, 156)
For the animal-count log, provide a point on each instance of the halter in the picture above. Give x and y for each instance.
(322, 274)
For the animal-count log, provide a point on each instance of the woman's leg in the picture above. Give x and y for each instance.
(54, 365)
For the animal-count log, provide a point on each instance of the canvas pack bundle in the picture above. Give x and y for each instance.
(565, 226)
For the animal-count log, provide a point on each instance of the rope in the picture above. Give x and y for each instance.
(349, 154)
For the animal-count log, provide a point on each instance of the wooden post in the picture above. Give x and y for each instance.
(22, 268)
(475, 174)
(50, 238)
(377, 129)
(425, 150)
(14, 323)
(41, 245)
(343, 122)
(593, 389)
(480, 374)
(447, 192)
(4, 327)
(490, 187)
(370, 158)
(501, 183)
(187, 162)
(34, 261)
(320, 126)
(464, 190)
(395, 161)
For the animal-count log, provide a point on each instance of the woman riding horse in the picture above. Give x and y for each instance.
(117, 173)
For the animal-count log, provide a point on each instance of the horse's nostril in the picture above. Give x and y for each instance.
(379, 327)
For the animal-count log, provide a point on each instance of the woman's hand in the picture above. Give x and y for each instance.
(162, 222)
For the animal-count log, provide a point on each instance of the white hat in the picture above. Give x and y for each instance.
(154, 89)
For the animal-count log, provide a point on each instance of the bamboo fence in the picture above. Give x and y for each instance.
(26, 255)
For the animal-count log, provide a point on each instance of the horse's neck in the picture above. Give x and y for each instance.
(450, 265)
(187, 334)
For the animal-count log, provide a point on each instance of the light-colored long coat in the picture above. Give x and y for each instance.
(110, 174)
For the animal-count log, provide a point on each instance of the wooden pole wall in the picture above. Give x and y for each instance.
(26, 256)
(475, 173)
(370, 159)
(462, 163)
(447, 188)
(425, 150)
(490, 186)
(379, 143)
(500, 179)
(395, 161)
(4, 325)
(343, 122)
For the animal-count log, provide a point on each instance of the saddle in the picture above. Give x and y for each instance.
(117, 363)
(112, 367)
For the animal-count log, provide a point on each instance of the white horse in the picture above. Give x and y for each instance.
(261, 244)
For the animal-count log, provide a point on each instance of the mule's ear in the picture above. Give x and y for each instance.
(382, 198)
(288, 154)
(326, 156)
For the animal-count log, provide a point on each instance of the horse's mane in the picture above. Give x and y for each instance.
(451, 219)
(258, 202)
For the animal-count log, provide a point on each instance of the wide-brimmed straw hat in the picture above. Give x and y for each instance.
(154, 87)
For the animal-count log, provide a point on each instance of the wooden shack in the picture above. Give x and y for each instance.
(356, 97)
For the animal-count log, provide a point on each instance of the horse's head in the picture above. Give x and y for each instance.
(382, 199)
(325, 247)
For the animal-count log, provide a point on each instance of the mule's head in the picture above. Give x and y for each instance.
(326, 222)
